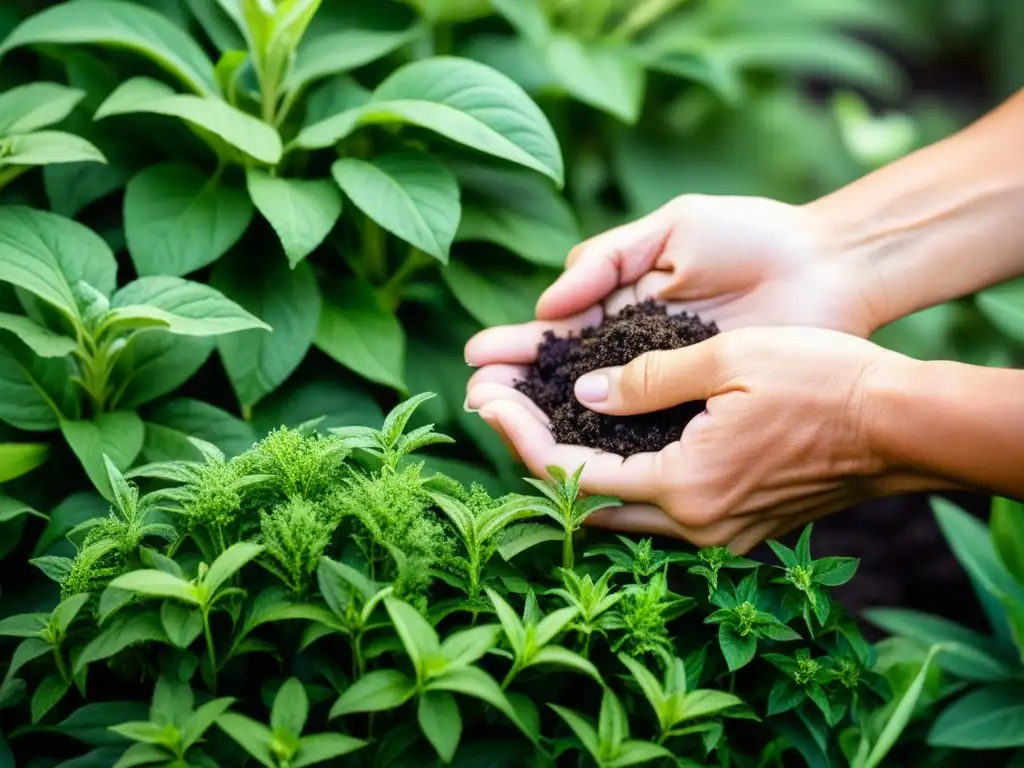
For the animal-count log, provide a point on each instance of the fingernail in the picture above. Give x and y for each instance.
(592, 388)
(466, 408)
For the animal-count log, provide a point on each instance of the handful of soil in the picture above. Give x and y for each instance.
(637, 329)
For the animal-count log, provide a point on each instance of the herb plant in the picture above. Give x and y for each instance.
(193, 629)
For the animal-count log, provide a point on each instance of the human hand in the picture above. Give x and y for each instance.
(787, 435)
(737, 261)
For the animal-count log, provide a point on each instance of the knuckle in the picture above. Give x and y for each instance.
(642, 377)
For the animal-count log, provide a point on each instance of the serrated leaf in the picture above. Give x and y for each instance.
(737, 649)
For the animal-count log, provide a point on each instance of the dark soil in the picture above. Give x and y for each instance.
(637, 329)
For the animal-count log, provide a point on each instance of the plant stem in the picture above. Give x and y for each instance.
(210, 650)
(511, 674)
(374, 258)
(61, 666)
(568, 554)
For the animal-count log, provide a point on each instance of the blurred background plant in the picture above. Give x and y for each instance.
(648, 100)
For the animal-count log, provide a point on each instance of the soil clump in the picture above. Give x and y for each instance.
(637, 329)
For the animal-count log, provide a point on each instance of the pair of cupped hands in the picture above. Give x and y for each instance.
(784, 437)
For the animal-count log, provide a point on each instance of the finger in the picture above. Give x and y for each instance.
(649, 286)
(654, 381)
(490, 392)
(603, 263)
(499, 373)
(518, 343)
(637, 478)
(500, 432)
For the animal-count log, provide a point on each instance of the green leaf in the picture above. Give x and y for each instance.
(473, 681)
(528, 17)
(119, 634)
(24, 625)
(991, 717)
(291, 707)
(120, 25)
(496, 294)
(737, 649)
(48, 695)
(786, 555)
(41, 340)
(510, 623)
(230, 562)
(177, 219)
(835, 571)
(1007, 530)
(419, 638)
(255, 738)
(519, 538)
(91, 723)
(460, 99)
(141, 754)
(519, 211)
(157, 363)
(343, 50)
(1003, 305)
(413, 196)
(181, 624)
(583, 729)
(902, 710)
(199, 722)
(17, 459)
(604, 76)
(34, 391)
(27, 108)
(321, 747)
(153, 583)
(176, 420)
(468, 645)
(302, 212)
(551, 625)
(212, 115)
(374, 692)
(357, 331)
(47, 255)
(49, 148)
(181, 307)
(118, 435)
(704, 703)
(29, 649)
(289, 301)
(563, 657)
(67, 610)
(439, 718)
(72, 511)
(972, 544)
(636, 752)
(968, 654)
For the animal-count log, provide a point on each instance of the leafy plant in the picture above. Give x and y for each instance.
(182, 613)
(982, 706)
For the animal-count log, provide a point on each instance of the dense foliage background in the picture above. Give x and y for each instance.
(382, 179)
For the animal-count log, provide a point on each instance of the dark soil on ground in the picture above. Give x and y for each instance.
(637, 329)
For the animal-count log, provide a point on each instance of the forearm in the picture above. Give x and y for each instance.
(940, 223)
(940, 424)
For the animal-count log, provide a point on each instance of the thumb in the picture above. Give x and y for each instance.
(654, 381)
(597, 267)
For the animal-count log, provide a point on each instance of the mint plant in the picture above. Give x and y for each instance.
(208, 637)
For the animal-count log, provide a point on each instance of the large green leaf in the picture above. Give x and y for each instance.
(40, 339)
(603, 76)
(302, 212)
(988, 718)
(34, 391)
(1004, 306)
(169, 425)
(211, 114)
(47, 255)
(289, 300)
(528, 17)
(519, 211)
(119, 25)
(177, 219)
(361, 334)
(181, 307)
(440, 721)
(49, 148)
(71, 512)
(1007, 527)
(120, 633)
(12, 508)
(33, 106)
(119, 435)
(17, 459)
(460, 99)
(496, 295)
(157, 362)
(375, 691)
(341, 51)
(413, 196)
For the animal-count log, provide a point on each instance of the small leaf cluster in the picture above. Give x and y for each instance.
(322, 597)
